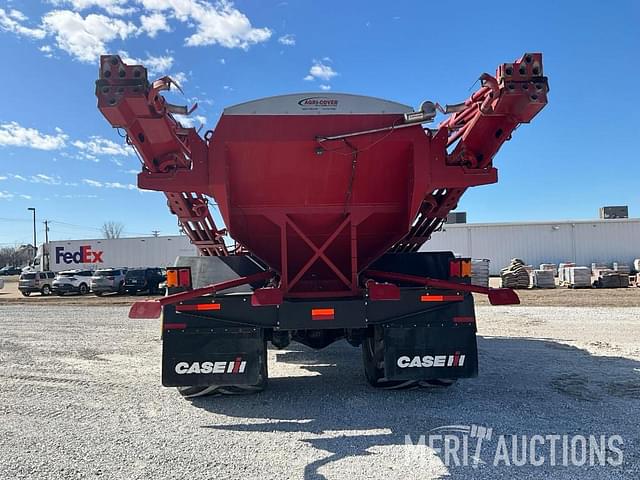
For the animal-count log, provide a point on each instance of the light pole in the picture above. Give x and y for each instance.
(35, 245)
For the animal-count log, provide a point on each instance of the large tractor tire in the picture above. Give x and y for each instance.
(205, 390)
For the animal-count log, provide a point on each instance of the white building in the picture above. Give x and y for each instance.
(582, 242)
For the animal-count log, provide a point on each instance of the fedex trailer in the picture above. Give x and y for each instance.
(118, 252)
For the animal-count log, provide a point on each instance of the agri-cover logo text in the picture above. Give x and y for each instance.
(83, 255)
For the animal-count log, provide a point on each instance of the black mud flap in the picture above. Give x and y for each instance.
(221, 357)
(425, 353)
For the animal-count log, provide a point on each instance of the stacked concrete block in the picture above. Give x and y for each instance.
(598, 268)
(578, 277)
(549, 266)
(621, 268)
(480, 271)
(543, 279)
(563, 272)
(612, 279)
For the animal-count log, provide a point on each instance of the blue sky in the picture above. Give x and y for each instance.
(57, 153)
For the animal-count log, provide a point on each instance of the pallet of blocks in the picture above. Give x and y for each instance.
(563, 272)
(598, 268)
(611, 279)
(550, 266)
(579, 277)
(543, 279)
(622, 268)
(515, 275)
(480, 271)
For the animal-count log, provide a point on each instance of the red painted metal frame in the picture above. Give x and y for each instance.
(439, 165)
(153, 308)
(497, 296)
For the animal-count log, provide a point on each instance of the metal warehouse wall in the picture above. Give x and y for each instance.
(582, 242)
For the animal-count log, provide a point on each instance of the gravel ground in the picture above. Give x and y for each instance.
(80, 397)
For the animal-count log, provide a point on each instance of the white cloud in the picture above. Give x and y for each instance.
(325, 87)
(17, 15)
(85, 38)
(6, 195)
(154, 64)
(322, 71)
(288, 39)
(97, 145)
(113, 7)
(222, 61)
(37, 178)
(154, 23)
(3, 177)
(191, 120)
(159, 64)
(12, 134)
(179, 77)
(75, 195)
(220, 24)
(91, 183)
(47, 179)
(11, 22)
(116, 185)
(121, 186)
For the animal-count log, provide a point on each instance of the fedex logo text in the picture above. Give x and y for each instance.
(84, 255)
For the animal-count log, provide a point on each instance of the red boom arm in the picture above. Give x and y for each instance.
(167, 149)
(476, 130)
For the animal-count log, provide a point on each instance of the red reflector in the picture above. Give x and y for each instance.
(198, 307)
(184, 277)
(454, 268)
(464, 319)
(266, 296)
(322, 314)
(174, 326)
(441, 298)
(383, 291)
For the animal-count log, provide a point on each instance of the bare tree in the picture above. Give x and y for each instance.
(112, 229)
(17, 256)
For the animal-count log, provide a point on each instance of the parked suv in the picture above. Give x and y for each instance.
(108, 280)
(30, 282)
(72, 281)
(10, 271)
(141, 279)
